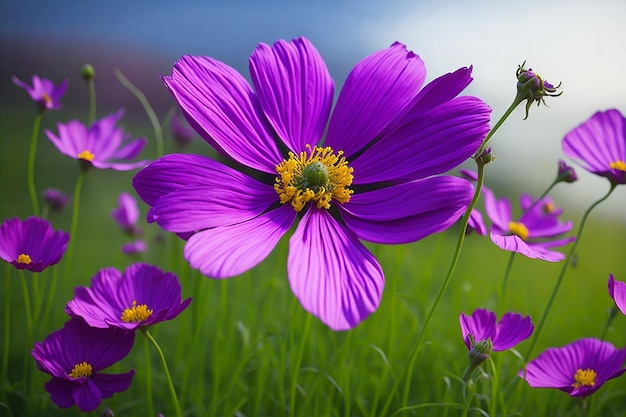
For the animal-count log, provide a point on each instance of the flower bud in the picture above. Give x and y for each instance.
(565, 173)
(532, 88)
(56, 199)
(88, 72)
(485, 157)
(478, 354)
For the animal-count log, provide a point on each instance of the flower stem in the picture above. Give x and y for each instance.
(505, 280)
(74, 226)
(7, 327)
(499, 123)
(563, 270)
(609, 320)
(31, 163)
(92, 101)
(170, 383)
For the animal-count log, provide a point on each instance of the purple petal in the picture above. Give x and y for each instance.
(499, 211)
(331, 273)
(617, 291)
(514, 243)
(476, 222)
(87, 396)
(512, 329)
(61, 392)
(481, 325)
(294, 89)
(110, 384)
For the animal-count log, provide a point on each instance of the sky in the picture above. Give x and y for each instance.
(581, 44)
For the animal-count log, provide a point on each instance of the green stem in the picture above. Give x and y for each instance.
(148, 372)
(563, 270)
(26, 377)
(92, 101)
(609, 320)
(7, 328)
(499, 123)
(296, 366)
(31, 163)
(74, 225)
(507, 273)
(170, 383)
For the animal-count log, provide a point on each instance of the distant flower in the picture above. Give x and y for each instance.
(75, 355)
(512, 329)
(101, 145)
(182, 133)
(532, 88)
(617, 291)
(126, 214)
(56, 199)
(138, 246)
(141, 296)
(31, 244)
(375, 178)
(534, 233)
(44, 92)
(578, 369)
(565, 173)
(599, 144)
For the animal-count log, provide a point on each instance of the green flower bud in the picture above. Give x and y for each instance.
(88, 72)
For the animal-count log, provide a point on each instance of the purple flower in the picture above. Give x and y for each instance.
(534, 233)
(600, 145)
(375, 178)
(44, 92)
(181, 131)
(579, 368)
(512, 329)
(617, 291)
(532, 88)
(138, 246)
(31, 244)
(565, 173)
(126, 214)
(75, 355)
(101, 145)
(56, 199)
(142, 296)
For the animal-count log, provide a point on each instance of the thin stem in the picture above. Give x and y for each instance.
(170, 383)
(507, 273)
(92, 101)
(7, 326)
(148, 372)
(499, 123)
(563, 270)
(545, 193)
(297, 364)
(609, 320)
(27, 378)
(74, 226)
(31, 163)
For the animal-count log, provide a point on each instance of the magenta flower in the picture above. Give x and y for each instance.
(141, 296)
(374, 178)
(579, 369)
(132, 248)
(126, 214)
(44, 92)
(534, 233)
(31, 244)
(74, 357)
(56, 199)
(101, 145)
(512, 329)
(599, 144)
(617, 291)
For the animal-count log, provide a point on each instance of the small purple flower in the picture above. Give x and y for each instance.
(44, 92)
(617, 291)
(599, 144)
(532, 88)
(101, 145)
(56, 199)
(142, 296)
(74, 357)
(31, 244)
(138, 246)
(534, 233)
(579, 369)
(566, 173)
(126, 214)
(512, 329)
(182, 133)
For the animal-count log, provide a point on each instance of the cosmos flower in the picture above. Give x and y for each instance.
(617, 291)
(534, 233)
(132, 248)
(126, 214)
(532, 88)
(31, 244)
(141, 296)
(512, 329)
(101, 145)
(375, 178)
(44, 92)
(74, 357)
(56, 199)
(579, 369)
(599, 145)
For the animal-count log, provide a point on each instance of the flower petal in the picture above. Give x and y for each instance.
(109, 384)
(87, 396)
(498, 210)
(331, 273)
(617, 291)
(294, 89)
(481, 325)
(512, 329)
(513, 243)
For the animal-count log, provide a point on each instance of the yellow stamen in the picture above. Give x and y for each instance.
(584, 378)
(46, 98)
(549, 208)
(82, 369)
(24, 259)
(86, 156)
(318, 175)
(618, 165)
(136, 313)
(519, 229)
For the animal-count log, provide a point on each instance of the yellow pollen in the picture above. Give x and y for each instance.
(584, 378)
(317, 175)
(86, 156)
(549, 208)
(618, 165)
(519, 229)
(82, 369)
(24, 259)
(46, 98)
(136, 313)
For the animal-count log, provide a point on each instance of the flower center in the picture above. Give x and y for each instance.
(584, 378)
(548, 208)
(317, 175)
(46, 99)
(618, 165)
(24, 259)
(80, 370)
(86, 156)
(518, 229)
(136, 313)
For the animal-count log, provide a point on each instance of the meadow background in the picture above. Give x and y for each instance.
(244, 347)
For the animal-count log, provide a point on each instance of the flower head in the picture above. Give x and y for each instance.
(31, 244)
(534, 233)
(101, 145)
(132, 248)
(512, 329)
(579, 369)
(565, 173)
(375, 178)
(44, 92)
(617, 291)
(126, 214)
(599, 145)
(56, 199)
(532, 88)
(74, 357)
(142, 295)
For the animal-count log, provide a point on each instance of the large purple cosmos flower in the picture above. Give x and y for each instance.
(512, 329)
(101, 145)
(579, 368)
(31, 244)
(75, 355)
(374, 178)
(534, 233)
(44, 92)
(617, 291)
(599, 144)
(141, 296)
